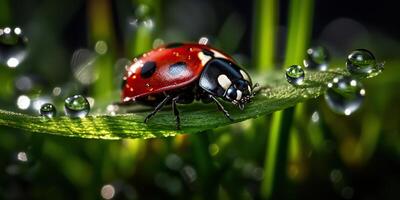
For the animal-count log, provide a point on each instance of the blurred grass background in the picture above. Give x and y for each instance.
(79, 46)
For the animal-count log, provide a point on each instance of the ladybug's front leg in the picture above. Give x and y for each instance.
(220, 107)
(158, 108)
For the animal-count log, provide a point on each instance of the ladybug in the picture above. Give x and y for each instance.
(180, 73)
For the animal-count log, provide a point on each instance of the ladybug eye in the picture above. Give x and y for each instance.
(231, 93)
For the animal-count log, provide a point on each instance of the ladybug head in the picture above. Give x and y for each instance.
(225, 79)
(239, 93)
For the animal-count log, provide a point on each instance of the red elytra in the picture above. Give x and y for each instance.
(154, 71)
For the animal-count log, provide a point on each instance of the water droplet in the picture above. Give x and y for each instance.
(362, 63)
(48, 110)
(13, 46)
(344, 95)
(295, 75)
(76, 106)
(317, 58)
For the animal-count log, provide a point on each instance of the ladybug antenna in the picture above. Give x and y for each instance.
(256, 88)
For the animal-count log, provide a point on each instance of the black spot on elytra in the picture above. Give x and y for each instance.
(177, 68)
(173, 45)
(148, 69)
(208, 52)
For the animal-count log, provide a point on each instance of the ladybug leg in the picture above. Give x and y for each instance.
(176, 113)
(220, 107)
(158, 108)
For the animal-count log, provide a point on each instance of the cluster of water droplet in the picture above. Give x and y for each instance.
(13, 46)
(76, 106)
(317, 58)
(345, 94)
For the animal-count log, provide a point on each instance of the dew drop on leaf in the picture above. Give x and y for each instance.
(295, 75)
(48, 110)
(76, 106)
(344, 95)
(362, 63)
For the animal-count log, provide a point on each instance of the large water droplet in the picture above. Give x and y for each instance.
(344, 95)
(362, 63)
(48, 110)
(13, 48)
(76, 106)
(317, 58)
(295, 75)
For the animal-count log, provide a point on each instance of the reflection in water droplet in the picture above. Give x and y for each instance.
(76, 106)
(317, 58)
(295, 75)
(23, 102)
(344, 95)
(362, 63)
(48, 110)
(107, 191)
(13, 46)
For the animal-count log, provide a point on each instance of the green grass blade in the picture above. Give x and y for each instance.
(299, 28)
(266, 23)
(195, 117)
